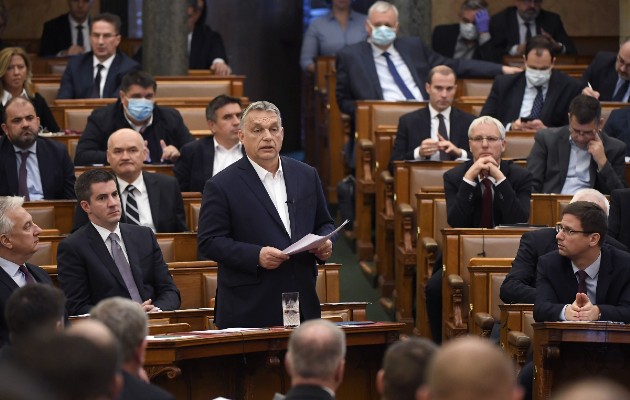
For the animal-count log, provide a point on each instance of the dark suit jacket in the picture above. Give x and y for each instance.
(548, 162)
(415, 126)
(519, 285)
(46, 117)
(205, 46)
(357, 78)
(55, 168)
(618, 126)
(167, 125)
(87, 272)
(619, 218)
(57, 36)
(7, 287)
(136, 389)
(504, 30)
(506, 97)
(444, 40)
(556, 286)
(602, 75)
(78, 78)
(510, 202)
(237, 219)
(308, 392)
(165, 200)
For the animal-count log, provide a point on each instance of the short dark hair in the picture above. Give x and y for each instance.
(15, 100)
(218, 102)
(540, 43)
(591, 216)
(137, 77)
(108, 17)
(404, 365)
(442, 70)
(585, 109)
(83, 185)
(34, 309)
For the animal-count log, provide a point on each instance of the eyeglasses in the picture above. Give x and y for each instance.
(569, 231)
(583, 133)
(489, 139)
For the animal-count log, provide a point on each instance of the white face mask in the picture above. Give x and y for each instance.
(537, 77)
(383, 35)
(468, 30)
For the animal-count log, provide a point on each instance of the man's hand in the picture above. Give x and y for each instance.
(271, 258)
(448, 147)
(588, 91)
(596, 148)
(484, 166)
(74, 50)
(508, 70)
(428, 147)
(482, 21)
(169, 153)
(582, 309)
(533, 125)
(220, 68)
(324, 251)
(148, 306)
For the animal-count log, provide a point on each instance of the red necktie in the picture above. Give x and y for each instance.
(27, 275)
(486, 204)
(23, 176)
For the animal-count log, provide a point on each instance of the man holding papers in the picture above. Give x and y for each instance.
(253, 210)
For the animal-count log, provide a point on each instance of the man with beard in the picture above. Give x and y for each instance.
(31, 166)
(608, 76)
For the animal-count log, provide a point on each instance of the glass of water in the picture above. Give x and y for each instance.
(291, 309)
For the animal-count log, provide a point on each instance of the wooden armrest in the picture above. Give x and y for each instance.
(519, 340)
(388, 184)
(365, 159)
(456, 286)
(485, 322)
(430, 245)
(455, 282)
(406, 226)
(365, 144)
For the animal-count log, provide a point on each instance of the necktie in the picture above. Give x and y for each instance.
(528, 33)
(444, 156)
(399, 82)
(622, 91)
(538, 103)
(486, 204)
(80, 35)
(22, 176)
(27, 275)
(131, 207)
(96, 88)
(582, 282)
(124, 268)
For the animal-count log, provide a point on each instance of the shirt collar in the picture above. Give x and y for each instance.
(134, 126)
(138, 184)
(377, 51)
(104, 233)
(32, 149)
(107, 63)
(9, 267)
(433, 112)
(218, 147)
(6, 96)
(592, 270)
(261, 172)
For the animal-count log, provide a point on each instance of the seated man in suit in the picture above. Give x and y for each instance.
(205, 46)
(106, 258)
(607, 78)
(162, 128)
(619, 219)
(19, 236)
(201, 159)
(148, 199)
(470, 38)
(583, 280)
(578, 155)
(513, 27)
(30, 165)
(534, 99)
(424, 134)
(618, 126)
(67, 34)
(98, 73)
(129, 325)
(315, 360)
(404, 368)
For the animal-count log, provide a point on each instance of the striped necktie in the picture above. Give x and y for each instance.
(131, 207)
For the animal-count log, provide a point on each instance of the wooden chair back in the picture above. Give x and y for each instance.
(518, 145)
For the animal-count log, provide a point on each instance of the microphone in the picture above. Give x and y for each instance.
(483, 245)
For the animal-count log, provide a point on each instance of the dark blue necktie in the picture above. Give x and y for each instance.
(622, 91)
(538, 104)
(399, 82)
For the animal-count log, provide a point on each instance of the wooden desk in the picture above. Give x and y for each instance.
(565, 351)
(197, 318)
(250, 365)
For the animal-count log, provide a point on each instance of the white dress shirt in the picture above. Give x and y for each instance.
(435, 123)
(13, 270)
(142, 198)
(391, 91)
(107, 64)
(33, 176)
(104, 234)
(276, 189)
(529, 96)
(225, 157)
(87, 46)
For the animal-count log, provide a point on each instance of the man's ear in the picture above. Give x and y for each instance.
(5, 241)
(85, 206)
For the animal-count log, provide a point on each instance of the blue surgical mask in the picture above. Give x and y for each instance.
(140, 109)
(383, 35)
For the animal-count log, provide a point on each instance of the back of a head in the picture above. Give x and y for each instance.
(594, 196)
(593, 389)
(404, 368)
(471, 368)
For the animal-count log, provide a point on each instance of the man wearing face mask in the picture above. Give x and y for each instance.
(470, 38)
(394, 69)
(537, 98)
(162, 128)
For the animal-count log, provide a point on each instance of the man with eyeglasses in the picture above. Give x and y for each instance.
(511, 29)
(98, 73)
(578, 155)
(534, 99)
(607, 78)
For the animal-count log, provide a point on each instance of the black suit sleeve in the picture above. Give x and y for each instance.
(614, 217)
(459, 201)
(183, 168)
(72, 279)
(519, 285)
(403, 149)
(178, 201)
(547, 307)
(69, 178)
(66, 88)
(343, 90)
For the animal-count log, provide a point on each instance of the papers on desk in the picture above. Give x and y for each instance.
(228, 330)
(310, 241)
(154, 338)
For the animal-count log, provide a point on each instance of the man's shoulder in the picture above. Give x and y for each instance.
(353, 49)
(505, 14)
(197, 145)
(57, 21)
(135, 389)
(540, 236)
(125, 62)
(160, 179)
(612, 142)
(604, 58)
(80, 235)
(446, 29)
(618, 256)
(561, 79)
(552, 258)
(548, 16)
(553, 134)
(79, 60)
(51, 145)
(419, 113)
(462, 115)
(508, 81)
(458, 170)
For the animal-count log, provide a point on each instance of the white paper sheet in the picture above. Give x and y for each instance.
(310, 241)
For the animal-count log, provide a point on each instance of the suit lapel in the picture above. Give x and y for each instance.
(208, 159)
(604, 277)
(291, 183)
(153, 192)
(134, 258)
(110, 82)
(564, 152)
(550, 100)
(7, 281)
(513, 27)
(570, 289)
(370, 69)
(10, 166)
(516, 97)
(102, 254)
(405, 53)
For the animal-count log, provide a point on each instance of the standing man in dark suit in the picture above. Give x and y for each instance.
(607, 78)
(32, 166)
(99, 72)
(583, 280)
(315, 360)
(578, 155)
(19, 236)
(106, 258)
(619, 220)
(470, 38)
(205, 46)
(147, 198)
(618, 126)
(534, 99)
(162, 128)
(201, 159)
(67, 34)
(439, 131)
(250, 212)
(513, 27)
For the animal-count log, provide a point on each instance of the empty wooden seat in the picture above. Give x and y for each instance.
(486, 277)
(43, 216)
